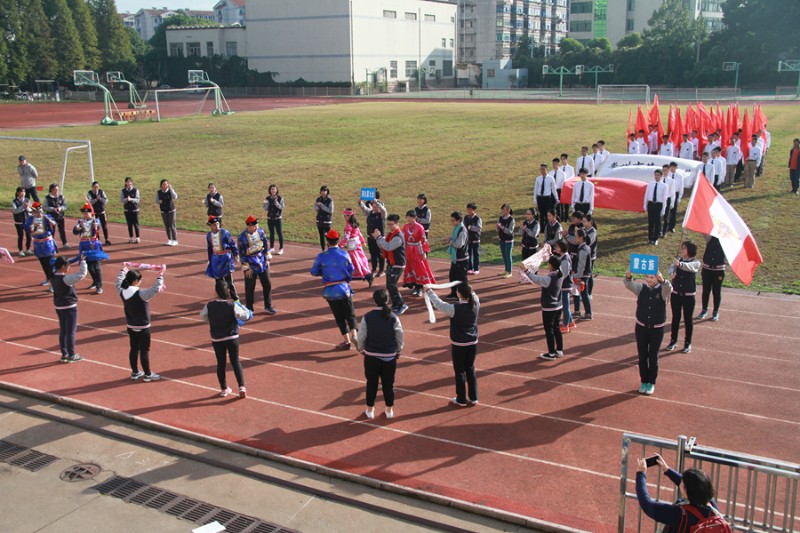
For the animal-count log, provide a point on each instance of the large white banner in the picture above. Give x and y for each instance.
(641, 167)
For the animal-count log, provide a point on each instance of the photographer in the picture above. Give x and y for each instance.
(683, 514)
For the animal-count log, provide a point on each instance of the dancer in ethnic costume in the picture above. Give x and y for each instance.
(255, 255)
(222, 255)
(334, 267)
(417, 272)
(42, 228)
(91, 248)
(353, 242)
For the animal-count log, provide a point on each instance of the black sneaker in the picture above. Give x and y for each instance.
(64, 359)
(400, 310)
(715, 317)
(74, 358)
(702, 315)
(270, 310)
(687, 348)
(548, 356)
(671, 346)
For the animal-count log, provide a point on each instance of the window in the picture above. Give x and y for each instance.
(192, 49)
(631, 5)
(581, 7)
(430, 18)
(490, 73)
(452, 43)
(411, 69)
(393, 69)
(452, 20)
(411, 16)
(432, 63)
(176, 49)
(444, 42)
(580, 25)
(447, 68)
(209, 48)
(388, 14)
(231, 48)
(629, 25)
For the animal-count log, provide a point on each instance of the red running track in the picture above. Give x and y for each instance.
(544, 441)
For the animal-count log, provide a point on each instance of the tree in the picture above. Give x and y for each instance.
(670, 43)
(84, 23)
(69, 52)
(37, 41)
(156, 59)
(600, 44)
(112, 40)
(569, 45)
(632, 40)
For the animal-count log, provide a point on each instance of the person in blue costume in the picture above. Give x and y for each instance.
(223, 255)
(334, 267)
(255, 255)
(42, 227)
(91, 248)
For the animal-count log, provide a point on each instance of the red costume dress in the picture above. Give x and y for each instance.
(417, 271)
(353, 241)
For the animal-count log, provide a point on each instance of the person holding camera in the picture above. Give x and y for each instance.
(698, 507)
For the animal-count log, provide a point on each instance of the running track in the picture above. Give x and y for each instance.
(544, 441)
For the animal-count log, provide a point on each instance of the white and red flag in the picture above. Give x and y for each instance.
(708, 212)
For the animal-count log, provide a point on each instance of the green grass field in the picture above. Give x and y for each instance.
(455, 153)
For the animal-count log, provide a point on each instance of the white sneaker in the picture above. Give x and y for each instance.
(280, 252)
(168, 243)
(138, 240)
(174, 243)
(21, 253)
(370, 413)
(389, 412)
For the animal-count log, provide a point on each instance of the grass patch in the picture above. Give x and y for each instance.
(455, 153)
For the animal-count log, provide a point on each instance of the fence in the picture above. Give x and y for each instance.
(754, 493)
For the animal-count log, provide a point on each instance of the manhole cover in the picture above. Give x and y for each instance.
(80, 473)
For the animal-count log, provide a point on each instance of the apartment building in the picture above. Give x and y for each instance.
(147, 21)
(230, 12)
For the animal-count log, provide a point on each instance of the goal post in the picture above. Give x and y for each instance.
(69, 163)
(172, 103)
(623, 94)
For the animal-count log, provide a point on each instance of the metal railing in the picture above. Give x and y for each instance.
(753, 493)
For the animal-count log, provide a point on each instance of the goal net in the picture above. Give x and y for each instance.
(619, 94)
(66, 162)
(173, 103)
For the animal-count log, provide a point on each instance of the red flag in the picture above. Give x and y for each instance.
(720, 119)
(671, 120)
(655, 120)
(702, 138)
(611, 193)
(708, 212)
(759, 122)
(737, 123)
(677, 133)
(628, 134)
(691, 119)
(641, 123)
(744, 141)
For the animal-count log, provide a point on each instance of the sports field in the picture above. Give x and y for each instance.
(454, 152)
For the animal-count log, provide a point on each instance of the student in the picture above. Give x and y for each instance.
(590, 227)
(654, 205)
(274, 206)
(353, 241)
(55, 205)
(753, 157)
(544, 193)
(223, 254)
(417, 272)
(214, 202)
(713, 274)
(572, 245)
(474, 225)
(667, 147)
(65, 300)
(165, 198)
(583, 193)
(223, 317)
(255, 257)
(677, 180)
(98, 200)
(27, 178)
(552, 229)
(394, 252)
(560, 250)
(21, 209)
(323, 207)
(129, 196)
(633, 144)
(687, 148)
(423, 213)
(136, 302)
(380, 339)
(375, 212)
(91, 249)
(457, 250)
(558, 177)
(463, 341)
(582, 272)
(597, 158)
(794, 166)
(651, 317)
(505, 233)
(733, 156)
(585, 161)
(529, 231)
(334, 267)
(669, 183)
(652, 140)
(551, 306)
(719, 167)
(683, 272)
(42, 227)
(680, 516)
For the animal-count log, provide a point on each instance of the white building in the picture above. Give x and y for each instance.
(147, 21)
(501, 74)
(614, 19)
(128, 20)
(205, 41)
(344, 40)
(229, 12)
(492, 29)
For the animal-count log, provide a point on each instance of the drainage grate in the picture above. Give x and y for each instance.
(80, 473)
(201, 513)
(26, 458)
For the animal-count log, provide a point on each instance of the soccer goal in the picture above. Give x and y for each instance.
(173, 103)
(66, 162)
(619, 94)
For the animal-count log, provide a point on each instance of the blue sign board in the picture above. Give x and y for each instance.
(368, 194)
(644, 264)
